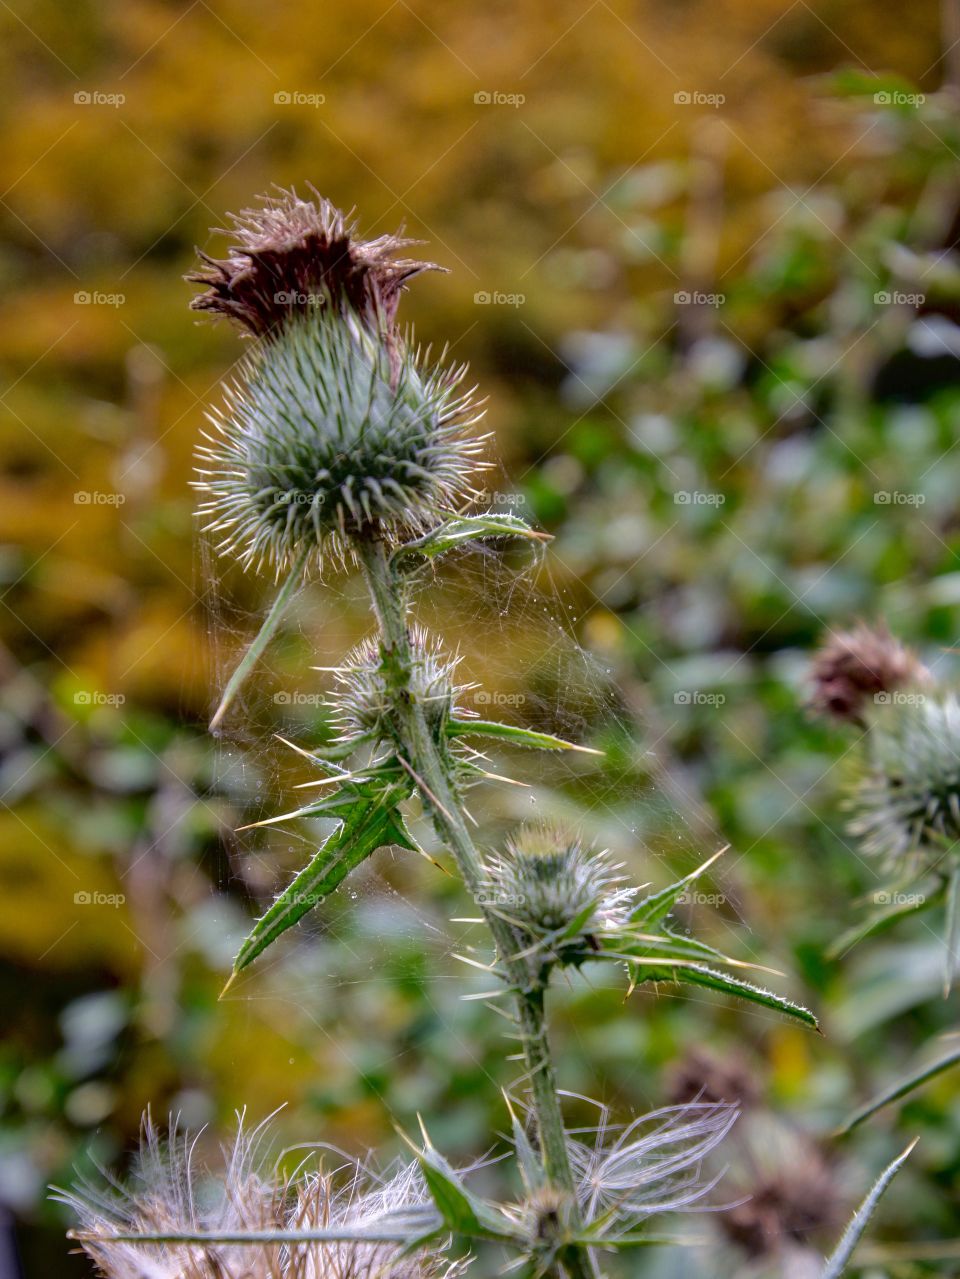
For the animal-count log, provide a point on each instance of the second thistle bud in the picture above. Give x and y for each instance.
(556, 888)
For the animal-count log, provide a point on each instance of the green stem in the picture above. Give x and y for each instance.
(440, 799)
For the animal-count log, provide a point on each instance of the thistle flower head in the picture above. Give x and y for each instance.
(366, 694)
(292, 254)
(334, 429)
(651, 1165)
(171, 1195)
(701, 1076)
(547, 881)
(790, 1195)
(906, 802)
(853, 668)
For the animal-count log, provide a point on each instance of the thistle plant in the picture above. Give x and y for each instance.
(341, 446)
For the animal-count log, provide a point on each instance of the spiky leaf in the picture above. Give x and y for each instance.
(470, 528)
(837, 1262)
(910, 1083)
(515, 736)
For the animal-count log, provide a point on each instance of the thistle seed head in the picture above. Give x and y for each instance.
(906, 802)
(291, 255)
(654, 1164)
(547, 879)
(852, 668)
(365, 698)
(170, 1194)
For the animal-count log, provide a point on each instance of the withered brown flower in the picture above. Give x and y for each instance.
(852, 668)
(293, 254)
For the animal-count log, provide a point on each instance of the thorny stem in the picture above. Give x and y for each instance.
(440, 799)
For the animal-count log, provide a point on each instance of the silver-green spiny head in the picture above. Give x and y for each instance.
(335, 428)
(906, 802)
(547, 877)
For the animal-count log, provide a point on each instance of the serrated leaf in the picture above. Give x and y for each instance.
(881, 920)
(516, 736)
(367, 826)
(528, 1161)
(694, 974)
(463, 1213)
(837, 1262)
(467, 528)
(658, 905)
(910, 1083)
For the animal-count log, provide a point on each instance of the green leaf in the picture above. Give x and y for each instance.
(463, 1212)
(951, 940)
(370, 823)
(901, 1089)
(837, 1262)
(528, 1161)
(516, 736)
(658, 905)
(264, 635)
(700, 975)
(467, 528)
(880, 920)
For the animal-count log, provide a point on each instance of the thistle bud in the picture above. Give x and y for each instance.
(906, 801)
(853, 669)
(335, 429)
(367, 692)
(547, 880)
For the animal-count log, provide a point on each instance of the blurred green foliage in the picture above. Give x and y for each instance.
(725, 479)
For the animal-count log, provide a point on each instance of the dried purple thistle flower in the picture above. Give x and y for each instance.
(335, 429)
(292, 254)
(856, 667)
(702, 1076)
